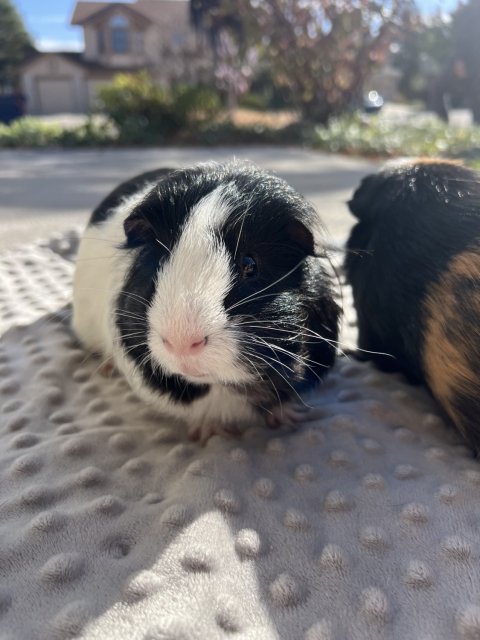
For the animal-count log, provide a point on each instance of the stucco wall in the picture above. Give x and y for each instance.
(91, 43)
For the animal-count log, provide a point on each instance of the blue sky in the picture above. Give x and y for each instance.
(48, 21)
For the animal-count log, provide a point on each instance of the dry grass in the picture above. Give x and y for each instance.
(270, 119)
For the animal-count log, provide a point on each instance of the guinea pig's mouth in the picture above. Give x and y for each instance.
(197, 378)
(216, 364)
(192, 375)
(191, 372)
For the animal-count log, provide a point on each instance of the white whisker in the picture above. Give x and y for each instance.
(264, 288)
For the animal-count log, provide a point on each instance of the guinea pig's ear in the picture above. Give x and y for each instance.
(301, 236)
(376, 193)
(138, 229)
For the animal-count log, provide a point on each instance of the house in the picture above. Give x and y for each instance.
(119, 37)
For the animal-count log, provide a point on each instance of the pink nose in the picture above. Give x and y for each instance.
(188, 346)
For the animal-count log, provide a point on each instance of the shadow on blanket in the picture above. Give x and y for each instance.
(363, 524)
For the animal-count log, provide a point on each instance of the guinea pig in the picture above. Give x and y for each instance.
(413, 260)
(205, 288)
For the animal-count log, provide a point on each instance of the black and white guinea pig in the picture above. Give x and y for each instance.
(205, 287)
(414, 266)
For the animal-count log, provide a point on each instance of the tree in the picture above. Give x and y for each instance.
(234, 58)
(321, 50)
(466, 52)
(215, 17)
(424, 53)
(14, 44)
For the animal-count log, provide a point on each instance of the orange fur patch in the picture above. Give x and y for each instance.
(438, 161)
(452, 335)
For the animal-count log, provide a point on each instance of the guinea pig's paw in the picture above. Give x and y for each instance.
(289, 414)
(201, 432)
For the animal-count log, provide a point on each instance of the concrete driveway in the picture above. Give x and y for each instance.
(43, 192)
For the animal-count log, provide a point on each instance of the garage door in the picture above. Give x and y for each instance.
(57, 96)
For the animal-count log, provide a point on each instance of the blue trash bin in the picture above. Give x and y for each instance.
(12, 106)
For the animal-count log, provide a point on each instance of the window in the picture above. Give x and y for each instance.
(119, 33)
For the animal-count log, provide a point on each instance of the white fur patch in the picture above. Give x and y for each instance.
(99, 275)
(191, 287)
(189, 298)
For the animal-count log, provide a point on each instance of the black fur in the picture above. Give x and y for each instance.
(103, 211)
(412, 223)
(274, 224)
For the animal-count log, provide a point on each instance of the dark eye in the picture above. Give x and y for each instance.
(248, 267)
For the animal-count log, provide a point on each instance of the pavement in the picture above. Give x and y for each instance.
(44, 192)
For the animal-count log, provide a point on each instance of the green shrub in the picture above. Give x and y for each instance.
(373, 136)
(29, 132)
(194, 112)
(227, 132)
(253, 101)
(196, 104)
(145, 113)
(265, 90)
(90, 134)
(137, 107)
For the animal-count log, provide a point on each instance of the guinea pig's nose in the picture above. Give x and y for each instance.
(190, 345)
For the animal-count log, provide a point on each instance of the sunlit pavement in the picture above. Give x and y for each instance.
(43, 192)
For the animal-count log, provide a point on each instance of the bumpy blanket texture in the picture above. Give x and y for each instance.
(361, 525)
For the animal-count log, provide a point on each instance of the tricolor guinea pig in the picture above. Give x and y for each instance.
(414, 265)
(206, 288)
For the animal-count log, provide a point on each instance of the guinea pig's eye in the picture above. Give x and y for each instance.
(248, 266)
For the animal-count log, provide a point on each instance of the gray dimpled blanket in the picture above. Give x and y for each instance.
(363, 524)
